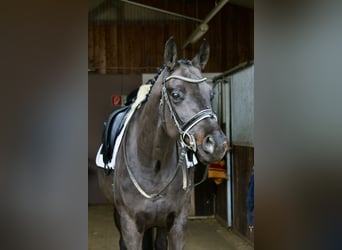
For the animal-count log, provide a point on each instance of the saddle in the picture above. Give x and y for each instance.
(115, 124)
(112, 129)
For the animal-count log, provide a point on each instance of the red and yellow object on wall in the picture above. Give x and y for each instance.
(218, 172)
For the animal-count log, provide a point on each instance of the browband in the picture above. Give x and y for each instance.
(185, 79)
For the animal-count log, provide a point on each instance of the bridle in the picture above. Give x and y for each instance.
(186, 142)
(186, 126)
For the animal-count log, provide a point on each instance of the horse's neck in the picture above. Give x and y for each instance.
(152, 141)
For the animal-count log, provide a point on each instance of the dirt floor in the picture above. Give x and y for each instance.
(202, 234)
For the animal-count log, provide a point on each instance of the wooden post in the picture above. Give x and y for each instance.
(91, 46)
(100, 48)
(111, 48)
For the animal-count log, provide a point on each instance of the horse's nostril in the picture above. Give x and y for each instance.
(209, 144)
(226, 145)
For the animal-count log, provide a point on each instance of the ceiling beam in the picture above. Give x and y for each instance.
(203, 27)
(162, 11)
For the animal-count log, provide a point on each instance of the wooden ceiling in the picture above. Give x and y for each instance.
(127, 11)
(124, 38)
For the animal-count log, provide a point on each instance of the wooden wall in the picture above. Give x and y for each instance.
(243, 161)
(221, 203)
(205, 193)
(137, 47)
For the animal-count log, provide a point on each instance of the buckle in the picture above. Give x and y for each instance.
(191, 141)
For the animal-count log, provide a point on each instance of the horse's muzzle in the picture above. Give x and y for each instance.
(213, 147)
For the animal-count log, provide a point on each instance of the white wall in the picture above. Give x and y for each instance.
(242, 94)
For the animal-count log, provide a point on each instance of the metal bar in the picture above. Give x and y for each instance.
(198, 217)
(161, 10)
(233, 70)
(230, 183)
(196, 34)
(216, 9)
(203, 27)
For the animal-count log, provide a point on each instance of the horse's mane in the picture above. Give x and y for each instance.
(132, 96)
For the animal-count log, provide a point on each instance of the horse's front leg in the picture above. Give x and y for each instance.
(161, 240)
(118, 226)
(176, 234)
(130, 234)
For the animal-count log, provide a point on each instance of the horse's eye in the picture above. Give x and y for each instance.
(177, 96)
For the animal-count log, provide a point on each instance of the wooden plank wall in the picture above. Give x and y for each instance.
(243, 161)
(221, 203)
(134, 48)
(204, 193)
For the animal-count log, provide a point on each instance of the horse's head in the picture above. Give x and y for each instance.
(186, 99)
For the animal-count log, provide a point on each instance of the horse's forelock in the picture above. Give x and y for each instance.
(186, 69)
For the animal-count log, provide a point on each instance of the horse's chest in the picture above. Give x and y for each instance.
(160, 213)
(163, 205)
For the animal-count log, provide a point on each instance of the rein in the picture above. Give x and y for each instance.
(140, 189)
(186, 142)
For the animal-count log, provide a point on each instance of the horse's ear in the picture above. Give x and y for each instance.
(201, 59)
(170, 53)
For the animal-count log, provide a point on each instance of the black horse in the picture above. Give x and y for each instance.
(154, 167)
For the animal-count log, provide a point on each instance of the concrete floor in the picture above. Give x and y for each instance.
(204, 234)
